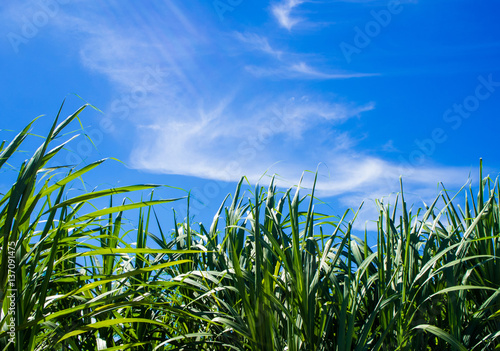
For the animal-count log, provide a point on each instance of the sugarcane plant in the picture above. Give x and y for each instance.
(270, 272)
(68, 279)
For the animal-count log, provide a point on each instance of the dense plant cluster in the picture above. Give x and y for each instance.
(269, 273)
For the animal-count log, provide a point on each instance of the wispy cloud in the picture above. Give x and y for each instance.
(300, 70)
(282, 12)
(378, 2)
(257, 42)
(307, 71)
(206, 119)
(284, 64)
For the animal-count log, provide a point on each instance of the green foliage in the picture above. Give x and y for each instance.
(269, 273)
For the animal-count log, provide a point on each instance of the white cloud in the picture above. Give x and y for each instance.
(378, 2)
(284, 64)
(258, 42)
(282, 12)
(300, 71)
(250, 141)
(389, 146)
(306, 71)
(201, 121)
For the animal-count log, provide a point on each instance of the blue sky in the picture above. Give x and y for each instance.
(195, 94)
